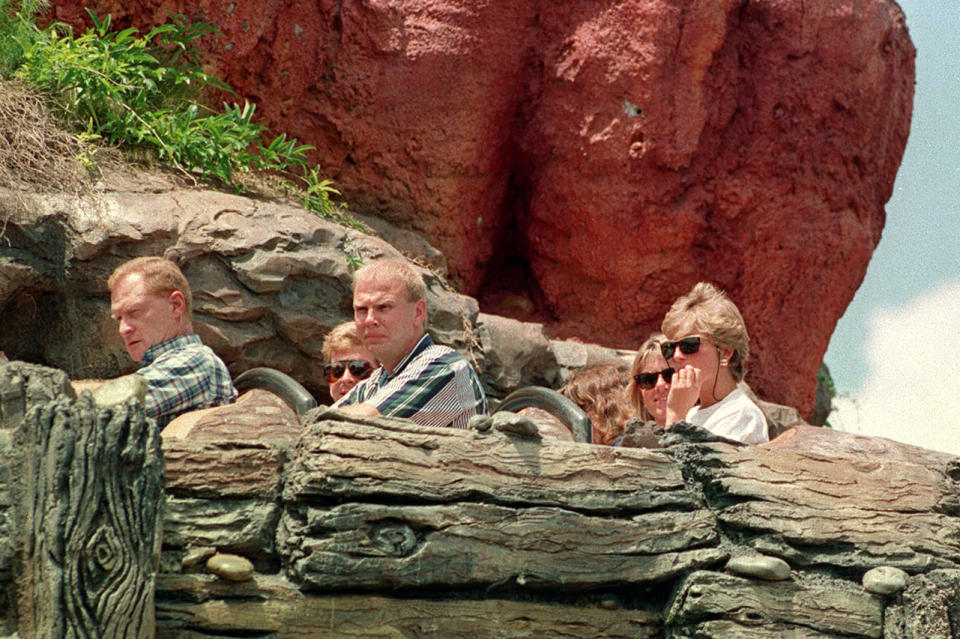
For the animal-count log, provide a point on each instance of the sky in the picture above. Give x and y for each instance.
(895, 354)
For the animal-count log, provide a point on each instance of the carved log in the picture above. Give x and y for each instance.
(470, 545)
(224, 472)
(844, 509)
(712, 605)
(88, 490)
(200, 607)
(394, 459)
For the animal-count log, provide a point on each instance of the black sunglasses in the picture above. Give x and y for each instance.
(646, 381)
(359, 368)
(688, 346)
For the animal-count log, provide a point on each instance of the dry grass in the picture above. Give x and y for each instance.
(35, 151)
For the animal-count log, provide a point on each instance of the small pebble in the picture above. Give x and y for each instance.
(481, 423)
(508, 422)
(609, 602)
(195, 554)
(232, 567)
(884, 580)
(760, 567)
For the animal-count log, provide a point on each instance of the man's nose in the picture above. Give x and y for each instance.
(124, 328)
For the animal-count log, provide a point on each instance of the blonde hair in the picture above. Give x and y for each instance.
(650, 346)
(396, 269)
(161, 276)
(708, 311)
(342, 338)
(600, 390)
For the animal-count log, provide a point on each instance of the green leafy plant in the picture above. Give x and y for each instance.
(143, 91)
(132, 89)
(315, 196)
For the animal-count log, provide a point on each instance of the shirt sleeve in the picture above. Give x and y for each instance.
(440, 393)
(178, 384)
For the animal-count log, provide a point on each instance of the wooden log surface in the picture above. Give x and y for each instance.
(88, 488)
(830, 607)
(233, 451)
(471, 544)
(245, 526)
(845, 509)
(381, 459)
(203, 606)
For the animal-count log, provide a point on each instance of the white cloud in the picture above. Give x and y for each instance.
(912, 388)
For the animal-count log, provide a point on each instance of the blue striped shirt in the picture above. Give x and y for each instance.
(183, 375)
(433, 385)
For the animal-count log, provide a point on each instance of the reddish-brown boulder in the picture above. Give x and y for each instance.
(599, 157)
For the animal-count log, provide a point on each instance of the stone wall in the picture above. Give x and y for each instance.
(381, 528)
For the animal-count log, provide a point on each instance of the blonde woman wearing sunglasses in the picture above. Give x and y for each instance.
(708, 347)
(347, 360)
(650, 377)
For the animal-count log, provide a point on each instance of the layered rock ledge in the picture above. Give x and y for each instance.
(379, 528)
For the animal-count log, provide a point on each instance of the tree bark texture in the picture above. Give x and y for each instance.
(88, 491)
(850, 509)
(382, 528)
(201, 607)
(825, 608)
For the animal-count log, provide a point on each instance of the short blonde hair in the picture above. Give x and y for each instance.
(342, 338)
(599, 389)
(650, 347)
(711, 313)
(411, 279)
(161, 276)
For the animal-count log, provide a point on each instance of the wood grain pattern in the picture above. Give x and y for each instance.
(203, 606)
(831, 607)
(394, 459)
(381, 546)
(90, 488)
(847, 510)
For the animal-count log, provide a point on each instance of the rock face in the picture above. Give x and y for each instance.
(269, 279)
(599, 158)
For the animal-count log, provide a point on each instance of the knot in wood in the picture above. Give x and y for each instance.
(394, 539)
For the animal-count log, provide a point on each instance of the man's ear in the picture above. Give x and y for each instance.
(178, 304)
(420, 313)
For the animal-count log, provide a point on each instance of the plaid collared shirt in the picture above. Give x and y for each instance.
(433, 386)
(182, 375)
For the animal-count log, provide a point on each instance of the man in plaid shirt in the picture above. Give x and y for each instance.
(151, 301)
(431, 384)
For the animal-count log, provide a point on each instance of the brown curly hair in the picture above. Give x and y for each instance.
(600, 390)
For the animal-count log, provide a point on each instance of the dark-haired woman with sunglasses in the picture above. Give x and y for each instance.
(650, 377)
(348, 361)
(708, 346)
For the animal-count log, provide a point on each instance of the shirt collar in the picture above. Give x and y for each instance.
(173, 343)
(425, 342)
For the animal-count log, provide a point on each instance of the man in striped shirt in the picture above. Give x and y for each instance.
(431, 384)
(151, 301)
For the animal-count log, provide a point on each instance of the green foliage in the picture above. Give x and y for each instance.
(17, 27)
(143, 91)
(315, 196)
(133, 89)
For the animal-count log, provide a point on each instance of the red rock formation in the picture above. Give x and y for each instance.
(600, 157)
